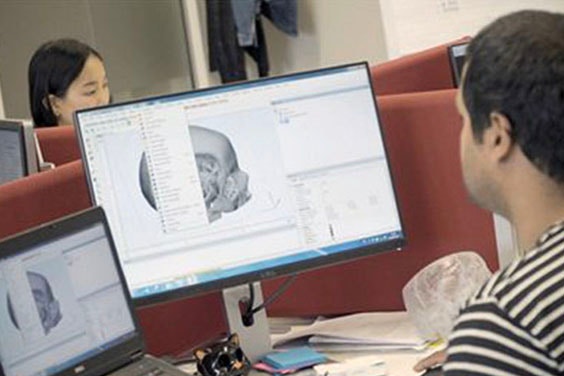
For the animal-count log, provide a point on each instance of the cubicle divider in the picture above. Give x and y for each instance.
(59, 145)
(43, 197)
(421, 132)
(421, 71)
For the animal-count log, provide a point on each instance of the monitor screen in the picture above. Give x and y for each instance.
(457, 55)
(218, 187)
(17, 150)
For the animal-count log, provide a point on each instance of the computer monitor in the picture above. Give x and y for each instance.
(219, 187)
(457, 56)
(18, 156)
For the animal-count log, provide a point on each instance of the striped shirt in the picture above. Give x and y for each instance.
(514, 325)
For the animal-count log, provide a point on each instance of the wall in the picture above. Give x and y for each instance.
(412, 25)
(330, 32)
(1, 105)
(24, 26)
(143, 44)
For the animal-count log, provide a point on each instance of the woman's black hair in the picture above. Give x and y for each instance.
(52, 69)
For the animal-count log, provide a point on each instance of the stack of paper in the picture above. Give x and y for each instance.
(362, 331)
(363, 365)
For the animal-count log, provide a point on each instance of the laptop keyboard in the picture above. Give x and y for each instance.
(146, 367)
(151, 372)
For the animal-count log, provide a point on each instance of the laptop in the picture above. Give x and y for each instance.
(64, 304)
(17, 150)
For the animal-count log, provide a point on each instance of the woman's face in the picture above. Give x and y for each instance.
(89, 89)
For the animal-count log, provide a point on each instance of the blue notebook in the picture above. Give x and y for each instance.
(295, 358)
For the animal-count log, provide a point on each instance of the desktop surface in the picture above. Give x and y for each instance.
(396, 362)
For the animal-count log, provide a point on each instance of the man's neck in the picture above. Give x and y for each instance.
(532, 217)
(532, 200)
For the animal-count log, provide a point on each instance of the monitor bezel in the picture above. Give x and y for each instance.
(455, 74)
(26, 140)
(277, 271)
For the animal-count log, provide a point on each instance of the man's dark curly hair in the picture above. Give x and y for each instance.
(515, 66)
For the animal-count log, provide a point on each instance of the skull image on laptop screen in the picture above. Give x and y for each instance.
(47, 306)
(224, 185)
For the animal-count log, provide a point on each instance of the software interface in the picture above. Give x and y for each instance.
(59, 303)
(12, 155)
(206, 185)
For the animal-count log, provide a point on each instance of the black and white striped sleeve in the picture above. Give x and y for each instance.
(485, 341)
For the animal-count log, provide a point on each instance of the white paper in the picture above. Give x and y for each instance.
(372, 328)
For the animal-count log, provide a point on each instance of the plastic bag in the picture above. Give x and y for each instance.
(434, 296)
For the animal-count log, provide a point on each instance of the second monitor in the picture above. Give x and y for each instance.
(18, 156)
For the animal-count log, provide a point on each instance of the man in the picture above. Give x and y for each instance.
(512, 154)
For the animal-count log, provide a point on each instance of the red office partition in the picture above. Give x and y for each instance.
(43, 197)
(421, 131)
(59, 145)
(421, 71)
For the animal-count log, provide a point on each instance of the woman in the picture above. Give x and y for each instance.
(65, 75)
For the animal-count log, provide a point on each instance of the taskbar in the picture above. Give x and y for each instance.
(258, 267)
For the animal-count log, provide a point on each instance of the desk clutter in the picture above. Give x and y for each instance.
(225, 358)
(359, 344)
(363, 365)
(379, 331)
(290, 361)
(299, 361)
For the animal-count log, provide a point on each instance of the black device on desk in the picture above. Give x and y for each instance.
(216, 188)
(64, 304)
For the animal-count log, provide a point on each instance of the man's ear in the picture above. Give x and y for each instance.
(498, 136)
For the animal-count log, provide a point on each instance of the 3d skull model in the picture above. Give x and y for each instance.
(224, 185)
(47, 306)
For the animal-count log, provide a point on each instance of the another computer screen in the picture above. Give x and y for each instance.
(12, 151)
(63, 303)
(222, 186)
(457, 55)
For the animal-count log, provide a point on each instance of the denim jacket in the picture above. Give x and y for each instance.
(282, 13)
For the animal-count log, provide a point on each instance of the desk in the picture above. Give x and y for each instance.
(398, 362)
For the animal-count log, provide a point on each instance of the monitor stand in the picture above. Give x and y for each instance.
(254, 339)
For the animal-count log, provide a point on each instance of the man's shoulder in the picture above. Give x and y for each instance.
(526, 298)
(528, 277)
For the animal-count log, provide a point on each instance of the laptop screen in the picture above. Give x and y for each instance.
(12, 154)
(62, 301)
(18, 149)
